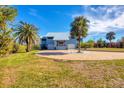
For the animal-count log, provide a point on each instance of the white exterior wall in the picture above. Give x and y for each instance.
(50, 44)
(61, 47)
(72, 44)
(69, 44)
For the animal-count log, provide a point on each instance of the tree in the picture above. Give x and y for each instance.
(122, 42)
(100, 43)
(7, 14)
(104, 43)
(91, 43)
(5, 43)
(110, 36)
(79, 29)
(26, 34)
(122, 39)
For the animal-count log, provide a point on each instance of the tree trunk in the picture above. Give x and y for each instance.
(79, 46)
(27, 49)
(28, 46)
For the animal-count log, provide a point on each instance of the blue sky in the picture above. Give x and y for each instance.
(53, 18)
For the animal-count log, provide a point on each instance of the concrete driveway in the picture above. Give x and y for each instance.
(85, 55)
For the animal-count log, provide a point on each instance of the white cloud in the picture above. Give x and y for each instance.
(100, 25)
(74, 15)
(119, 21)
(93, 9)
(104, 18)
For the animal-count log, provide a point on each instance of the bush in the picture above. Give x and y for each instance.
(6, 50)
(36, 47)
(22, 49)
(15, 48)
(87, 45)
(83, 45)
(90, 43)
(6, 45)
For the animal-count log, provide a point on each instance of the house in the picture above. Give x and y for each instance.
(58, 41)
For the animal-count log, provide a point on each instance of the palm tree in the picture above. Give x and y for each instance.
(27, 34)
(79, 29)
(7, 14)
(110, 36)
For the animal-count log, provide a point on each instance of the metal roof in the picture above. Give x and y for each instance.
(59, 35)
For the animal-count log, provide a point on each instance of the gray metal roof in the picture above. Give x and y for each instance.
(59, 35)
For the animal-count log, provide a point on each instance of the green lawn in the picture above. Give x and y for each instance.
(29, 70)
(107, 49)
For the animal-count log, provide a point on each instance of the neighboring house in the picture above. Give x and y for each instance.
(58, 40)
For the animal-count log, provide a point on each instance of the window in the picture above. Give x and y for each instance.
(50, 37)
(43, 39)
(60, 43)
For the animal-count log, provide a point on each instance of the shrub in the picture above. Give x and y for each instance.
(6, 45)
(36, 47)
(90, 43)
(87, 45)
(84, 45)
(22, 49)
(15, 47)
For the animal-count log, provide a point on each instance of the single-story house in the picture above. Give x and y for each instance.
(58, 40)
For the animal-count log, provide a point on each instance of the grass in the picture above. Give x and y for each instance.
(107, 49)
(28, 70)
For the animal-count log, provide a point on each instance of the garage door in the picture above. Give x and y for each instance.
(71, 46)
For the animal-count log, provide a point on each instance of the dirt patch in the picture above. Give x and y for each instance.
(9, 77)
(85, 55)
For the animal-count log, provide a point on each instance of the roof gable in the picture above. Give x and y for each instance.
(59, 35)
